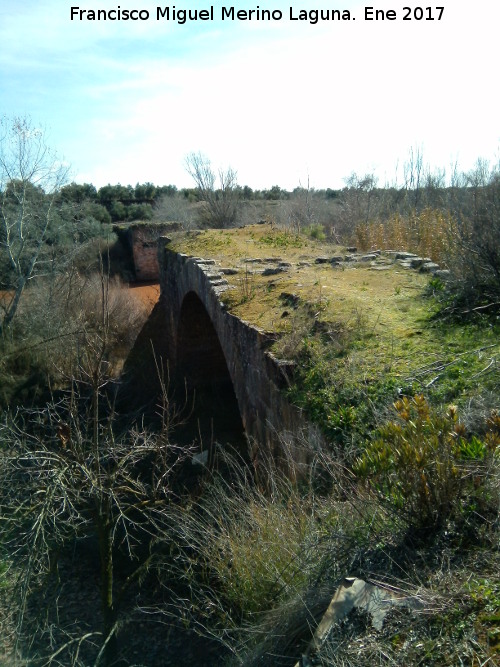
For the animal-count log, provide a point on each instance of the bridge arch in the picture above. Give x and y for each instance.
(202, 365)
(227, 360)
(200, 358)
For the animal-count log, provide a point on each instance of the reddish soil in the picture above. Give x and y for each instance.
(6, 295)
(148, 293)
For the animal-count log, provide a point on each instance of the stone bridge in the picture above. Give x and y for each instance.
(220, 357)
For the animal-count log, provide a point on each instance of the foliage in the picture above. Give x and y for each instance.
(80, 202)
(112, 202)
(253, 561)
(476, 269)
(422, 464)
(344, 404)
(247, 548)
(315, 231)
(45, 351)
(282, 240)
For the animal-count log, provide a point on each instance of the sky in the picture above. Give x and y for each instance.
(283, 102)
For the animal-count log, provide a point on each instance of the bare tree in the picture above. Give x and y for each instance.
(303, 210)
(218, 191)
(356, 201)
(67, 476)
(30, 177)
(175, 208)
(414, 175)
(478, 216)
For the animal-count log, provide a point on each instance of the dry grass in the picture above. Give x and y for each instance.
(338, 293)
(431, 233)
(383, 308)
(262, 569)
(58, 322)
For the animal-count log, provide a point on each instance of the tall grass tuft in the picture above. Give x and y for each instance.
(430, 233)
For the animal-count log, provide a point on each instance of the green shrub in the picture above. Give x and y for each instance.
(345, 407)
(315, 231)
(282, 240)
(255, 556)
(425, 464)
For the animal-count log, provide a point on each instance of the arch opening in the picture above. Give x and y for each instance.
(202, 365)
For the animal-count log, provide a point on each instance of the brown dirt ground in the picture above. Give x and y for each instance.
(148, 293)
(5, 296)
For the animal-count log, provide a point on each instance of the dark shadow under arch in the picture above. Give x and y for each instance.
(202, 364)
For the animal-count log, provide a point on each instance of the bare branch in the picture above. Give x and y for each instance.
(220, 202)
(30, 177)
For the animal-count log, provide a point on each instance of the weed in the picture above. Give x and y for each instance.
(435, 286)
(246, 285)
(315, 231)
(250, 545)
(282, 240)
(4, 568)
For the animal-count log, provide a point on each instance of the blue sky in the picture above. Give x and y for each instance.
(281, 102)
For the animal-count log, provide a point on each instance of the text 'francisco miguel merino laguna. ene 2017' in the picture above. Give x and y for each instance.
(182, 16)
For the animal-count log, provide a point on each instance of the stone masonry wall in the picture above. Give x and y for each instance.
(143, 239)
(258, 378)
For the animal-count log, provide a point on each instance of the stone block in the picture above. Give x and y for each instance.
(444, 274)
(429, 267)
(404, 255)
(273, 271)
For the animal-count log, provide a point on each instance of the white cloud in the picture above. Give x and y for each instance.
(277, 101)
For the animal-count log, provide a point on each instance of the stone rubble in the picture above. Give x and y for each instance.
(378, 260)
